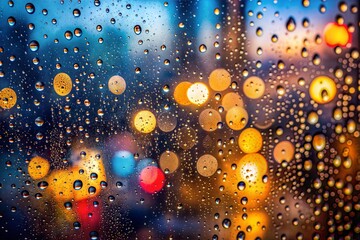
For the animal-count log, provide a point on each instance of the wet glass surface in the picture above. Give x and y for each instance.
(179, 119)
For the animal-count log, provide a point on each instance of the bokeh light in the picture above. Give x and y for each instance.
(151, 179)
(123, 163)
(284, 151)
(336, 35)
(145, 121)
(180, 93)
(8, 98)
(322, 89)
(117, 85)
(219, 79)
(38, 167)
(237, 118)
(198, 93)
(250, 140)
(62, 84)
(254, 87)
(209, 119)
(179, 119)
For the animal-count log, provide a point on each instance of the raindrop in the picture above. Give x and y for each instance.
(119, 184)
(25, 194)
(92, 190)
(137, 29)
(39, 86)
(78, 184)
(240, 236)
(291, 24)
(202, 48)
(68, 35)
(68, 205)
(241, 186)
(77, 225)
(11, 21)
(76, 12)
(34, 46)
(39, 121)
(226, 223)
(30, 8)
(93, 176)
(103, 184)
(43, 185)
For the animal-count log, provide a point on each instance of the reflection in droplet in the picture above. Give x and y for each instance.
(137, 29)
(78, 184)
(30, 8)
(34, 46)
(291, 24)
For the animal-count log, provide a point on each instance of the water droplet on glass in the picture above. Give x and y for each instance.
(30, 8)
(241, 185)
(291, 24)
(68, 35)
(11, 21)
(78, 184)
(68, 205)
(137, 29)
(103, 184)
(226, 223)
(202, 48)
(76, 12)
(39, 121)
(92, 190)
(244, 200)
(34, 46)
(43, 185)
(25, 194)
(240, 236)
(76, 225)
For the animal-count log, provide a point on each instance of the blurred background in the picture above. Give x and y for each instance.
(179, 119)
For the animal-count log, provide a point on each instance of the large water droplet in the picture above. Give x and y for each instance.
(291, 24)
(78, 184)
(30, 8)
(226, 223)
(34, 46)
(137, 29)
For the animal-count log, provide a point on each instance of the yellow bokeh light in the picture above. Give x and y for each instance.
(169, 161)
(256, 221)
(254, 87)
(198, 93)
(117, 85)
(322, 89)
(180, 93)
(8, 98)
(237, 118)
(250, 140)
(90, 171)
(284, 151)
(252, 167)
(219, 79)
(252, 173)
(38, 167)
(206, 165)
(61, 184)
(232, 99)
(336, 35)
(145, 121)
(62, 84)
(209, 119)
